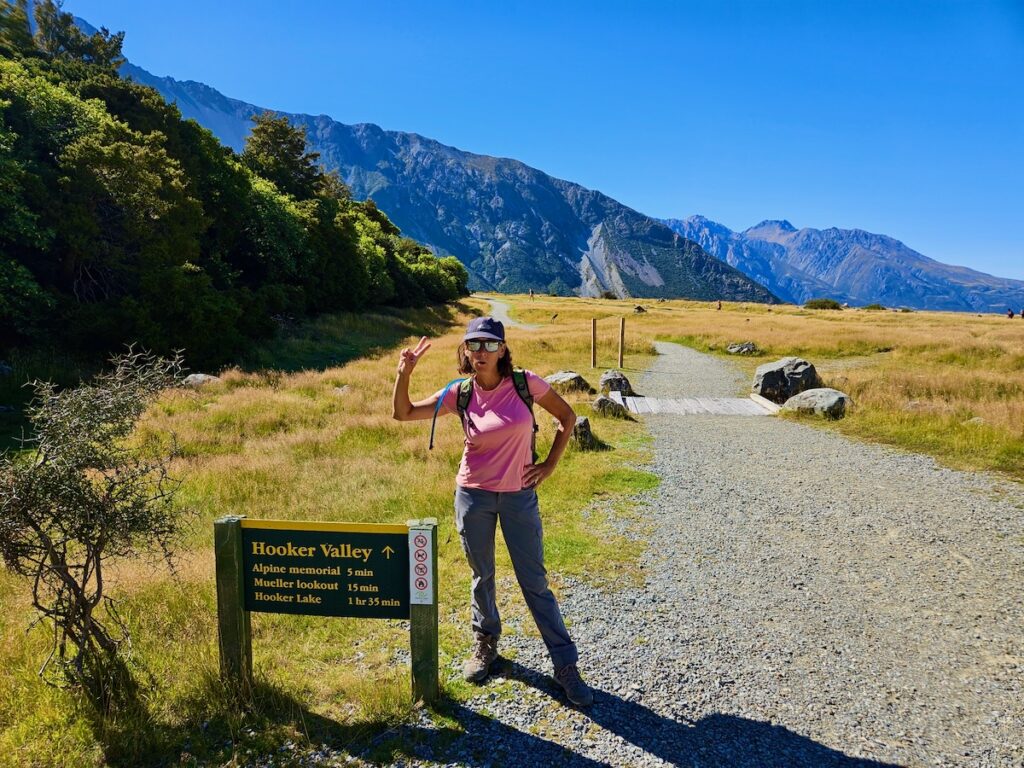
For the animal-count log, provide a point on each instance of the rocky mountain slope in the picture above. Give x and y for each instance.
(849, 265)
(514, 227)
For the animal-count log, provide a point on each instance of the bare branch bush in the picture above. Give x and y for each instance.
(89, 491)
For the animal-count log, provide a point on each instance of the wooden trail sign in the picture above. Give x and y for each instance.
(326, 569)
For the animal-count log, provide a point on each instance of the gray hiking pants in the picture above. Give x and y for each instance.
(476, 514)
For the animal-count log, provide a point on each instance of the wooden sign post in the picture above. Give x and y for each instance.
(326, 569)
(423, 608)
(622, 338)
(235, 634)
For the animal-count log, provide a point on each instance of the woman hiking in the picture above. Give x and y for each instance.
(497, 483)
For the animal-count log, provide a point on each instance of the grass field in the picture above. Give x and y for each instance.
(302, 430)
(315, 444)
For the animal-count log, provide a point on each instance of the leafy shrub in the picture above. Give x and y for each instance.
(874, 307)
(822, 304)
(85, 497)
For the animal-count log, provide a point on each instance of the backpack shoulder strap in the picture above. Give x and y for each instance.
(437, 407)
(523, 390)
(522, 387)
(465, 393)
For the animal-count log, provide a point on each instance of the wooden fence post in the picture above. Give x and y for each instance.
(423, 615)
(593, 342)
(233, 625)
(622, 338)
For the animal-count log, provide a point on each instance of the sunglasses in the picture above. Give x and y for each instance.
(475, 345)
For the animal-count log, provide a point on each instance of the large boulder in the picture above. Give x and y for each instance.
(616, 381)
(565, 382)
(608, 407)
(197, 380)
(821, 401)
(784, 378)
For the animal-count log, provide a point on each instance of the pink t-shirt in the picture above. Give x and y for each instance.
(499, 433)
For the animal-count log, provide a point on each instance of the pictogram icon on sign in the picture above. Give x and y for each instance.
(421, 569)
(420, 540)
(421, 583)
(420, 555)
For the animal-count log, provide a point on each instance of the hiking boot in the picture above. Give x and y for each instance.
(478, 665)
(577, 691)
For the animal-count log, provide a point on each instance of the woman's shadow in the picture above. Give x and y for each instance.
(714, 740)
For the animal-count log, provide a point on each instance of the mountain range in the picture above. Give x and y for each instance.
(849, 265)
(516, 228)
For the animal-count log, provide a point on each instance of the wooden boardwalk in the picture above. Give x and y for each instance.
(685, 406)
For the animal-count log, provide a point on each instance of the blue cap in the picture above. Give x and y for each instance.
(485, 328)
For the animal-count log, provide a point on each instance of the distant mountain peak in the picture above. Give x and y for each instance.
(779, 225)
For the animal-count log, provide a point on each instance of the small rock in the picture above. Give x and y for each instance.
(977, 421)
(616, 381)
(196, 380)
(743, 348)
(608, 407)
(583, 436)
(638, 309)
(821, 401)
(569, 381)
(344, 389)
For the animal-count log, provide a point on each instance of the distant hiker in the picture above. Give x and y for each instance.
(531, 294)
(1009, 313)
(497, 483)
(719, 303)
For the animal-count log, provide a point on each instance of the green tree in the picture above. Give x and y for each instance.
(374, 213)
(276, 150)
(23, 303)
(19, 225)
(15, 33)
(58, 36)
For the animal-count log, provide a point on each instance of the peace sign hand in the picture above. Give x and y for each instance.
(409, 357)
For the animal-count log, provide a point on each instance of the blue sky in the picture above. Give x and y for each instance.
(904, 118)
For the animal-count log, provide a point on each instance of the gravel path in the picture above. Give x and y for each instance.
(499, 311)
(810, 601)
